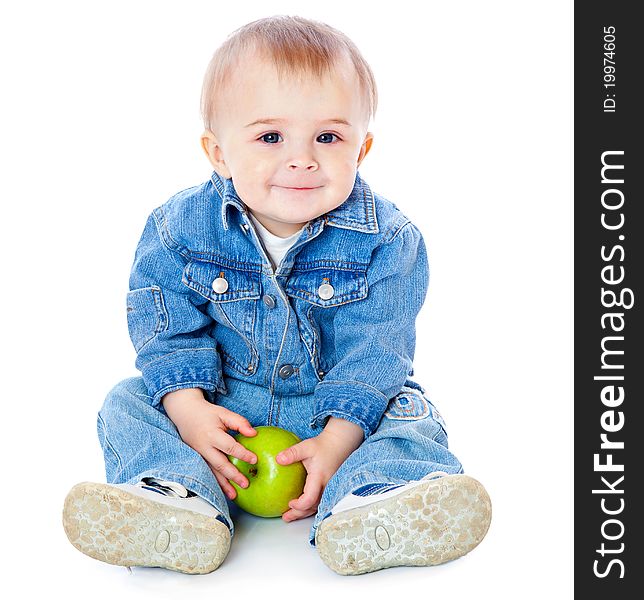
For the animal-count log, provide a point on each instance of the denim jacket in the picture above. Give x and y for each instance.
(335, 319)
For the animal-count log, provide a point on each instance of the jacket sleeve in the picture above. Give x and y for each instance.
(376, 336)
(167, 322)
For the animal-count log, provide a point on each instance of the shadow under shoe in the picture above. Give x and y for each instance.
(429, 523)
(125, 525)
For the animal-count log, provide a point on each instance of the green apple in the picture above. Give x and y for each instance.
(271, 485)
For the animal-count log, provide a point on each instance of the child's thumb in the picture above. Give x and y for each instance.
(290, 455)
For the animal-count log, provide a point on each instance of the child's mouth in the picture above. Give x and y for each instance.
(300, 189)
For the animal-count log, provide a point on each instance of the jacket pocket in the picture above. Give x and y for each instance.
(317, 294)
(146, 315)
(326, 287)
(233, 294)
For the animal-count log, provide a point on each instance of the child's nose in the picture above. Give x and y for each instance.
(309, 165)
(303, 159)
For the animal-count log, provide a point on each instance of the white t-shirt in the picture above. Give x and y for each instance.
(275, 246)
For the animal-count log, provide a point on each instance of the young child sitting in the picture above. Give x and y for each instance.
(282, 291)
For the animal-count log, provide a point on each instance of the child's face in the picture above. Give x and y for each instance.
(303, 163)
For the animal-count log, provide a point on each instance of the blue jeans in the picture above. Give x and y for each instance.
(139, 440)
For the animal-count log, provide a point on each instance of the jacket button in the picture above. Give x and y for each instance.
(220, 285)
(326, 291)
(285, 371)
(269, 301)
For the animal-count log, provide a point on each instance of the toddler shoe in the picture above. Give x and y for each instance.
(426, 522)
(154, 523)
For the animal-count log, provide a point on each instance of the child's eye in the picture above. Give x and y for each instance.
(326, 137)
(273, 138)
(270, 138)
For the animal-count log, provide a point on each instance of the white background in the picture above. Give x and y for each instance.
(473, 141)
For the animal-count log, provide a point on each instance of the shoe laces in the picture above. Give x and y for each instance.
(167, 488)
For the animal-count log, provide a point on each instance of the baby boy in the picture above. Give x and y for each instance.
(282, 291)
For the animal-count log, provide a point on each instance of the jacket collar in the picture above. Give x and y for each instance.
(357, 212)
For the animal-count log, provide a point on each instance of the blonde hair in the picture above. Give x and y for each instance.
(296, 46)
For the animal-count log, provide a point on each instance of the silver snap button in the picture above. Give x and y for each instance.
(285, 371)
(269, 301)
(219, 285)
(326, 291)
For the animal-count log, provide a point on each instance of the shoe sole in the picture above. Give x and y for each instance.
(430, 524)
(120, 528)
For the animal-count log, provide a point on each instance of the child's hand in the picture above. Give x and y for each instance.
(203, 426)
(321, 457)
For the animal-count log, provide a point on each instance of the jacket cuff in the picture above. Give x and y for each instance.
(189, 368)
(354, 401)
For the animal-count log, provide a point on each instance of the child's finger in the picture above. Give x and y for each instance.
(294, 515)
(296, 452)
(226, 488)
(220, 464)
(235, 421)
(310, 495)
(230, 446)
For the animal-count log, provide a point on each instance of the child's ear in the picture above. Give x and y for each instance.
(215, 154)
(366, 146)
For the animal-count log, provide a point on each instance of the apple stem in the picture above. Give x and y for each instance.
(253, 471)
